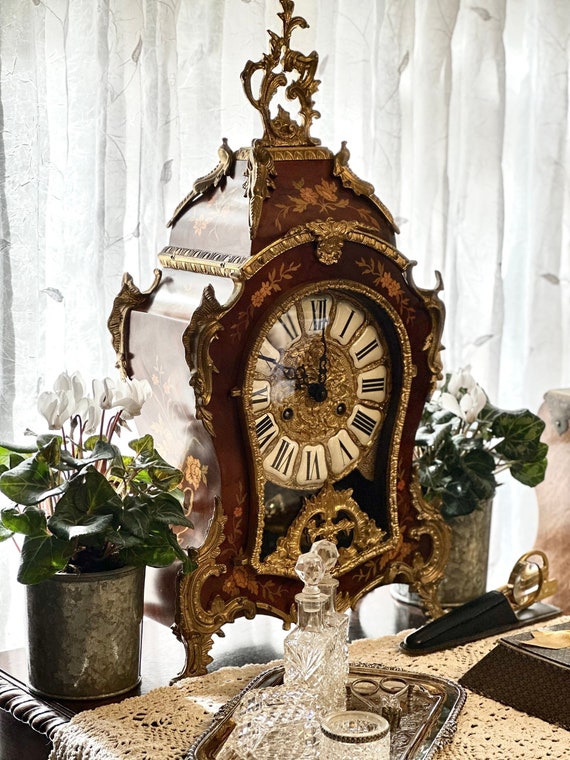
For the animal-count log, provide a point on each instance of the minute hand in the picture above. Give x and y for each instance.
(323, 361)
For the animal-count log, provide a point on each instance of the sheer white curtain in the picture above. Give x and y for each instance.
(456, 111)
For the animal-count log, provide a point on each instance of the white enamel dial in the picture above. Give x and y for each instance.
(319, 389)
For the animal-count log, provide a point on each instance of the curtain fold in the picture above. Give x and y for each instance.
(456, 112)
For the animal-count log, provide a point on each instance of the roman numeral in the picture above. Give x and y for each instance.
(283, 459)
(344, 453)
(346, 324)
(261, 395)
(365, 350)
(313, 471)
(319, 312)
(289, 326)
(265, 429)
(363, 422)
(373, 384)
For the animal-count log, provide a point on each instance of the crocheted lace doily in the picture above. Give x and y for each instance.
(163, 724)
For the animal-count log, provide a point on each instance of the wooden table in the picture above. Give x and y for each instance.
(27, 721)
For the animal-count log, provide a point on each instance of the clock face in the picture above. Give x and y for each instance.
(319, 389)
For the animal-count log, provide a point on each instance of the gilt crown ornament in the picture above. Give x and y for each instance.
(277, 67)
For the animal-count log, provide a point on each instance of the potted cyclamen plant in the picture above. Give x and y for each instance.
(462, 444)
(92, 517)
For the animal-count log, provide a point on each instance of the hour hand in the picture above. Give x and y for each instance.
(298, 374)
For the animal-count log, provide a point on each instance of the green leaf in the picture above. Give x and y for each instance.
(101, 451)
(89, 492)
(7, 450)
(29, 522)
(5, 533)
(531, 473)
(84, 527)
(49, 449)
(42, 557)
(160, 473)
(479, 465)
(169, 511)
(156, 551)
(160, 549)
(136, 518)
(29, 482)
(10, 458)
(520, 432)
(123, 539)
(144, 447)
(456, 504)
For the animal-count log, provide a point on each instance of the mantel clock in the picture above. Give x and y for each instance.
(291, 354)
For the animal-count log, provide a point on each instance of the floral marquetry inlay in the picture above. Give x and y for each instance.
(323, 197)
(274, 283)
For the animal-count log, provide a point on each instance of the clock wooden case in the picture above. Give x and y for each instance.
(290, 354)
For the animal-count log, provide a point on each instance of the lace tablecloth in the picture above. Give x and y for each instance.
(163, 724)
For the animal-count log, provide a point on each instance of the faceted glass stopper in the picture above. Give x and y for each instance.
(310, 569)
(327, 551)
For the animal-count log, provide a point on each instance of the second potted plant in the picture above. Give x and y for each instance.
(462, 444)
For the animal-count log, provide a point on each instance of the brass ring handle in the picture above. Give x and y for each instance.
(529, 581)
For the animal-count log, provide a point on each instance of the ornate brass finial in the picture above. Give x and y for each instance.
(282, 129)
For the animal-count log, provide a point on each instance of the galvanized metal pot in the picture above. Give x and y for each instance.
(466, 572)
(84, 633)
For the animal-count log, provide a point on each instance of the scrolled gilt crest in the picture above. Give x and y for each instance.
(203, 184)
(358, 186)
(260, 174)
(436, 309)
(196, 341)
(329, 514)
(128, 298)
(276, 65)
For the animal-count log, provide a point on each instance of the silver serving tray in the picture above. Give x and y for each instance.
(429, 721)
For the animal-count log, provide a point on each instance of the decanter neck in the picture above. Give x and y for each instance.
(328, 587)
(310, 612)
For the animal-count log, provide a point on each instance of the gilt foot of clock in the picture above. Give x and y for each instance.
(199, 616)
(198, 656)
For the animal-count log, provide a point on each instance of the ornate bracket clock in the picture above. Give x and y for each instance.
(290, 354)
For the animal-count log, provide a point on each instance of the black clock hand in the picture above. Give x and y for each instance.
(323, 361)
(298, 374)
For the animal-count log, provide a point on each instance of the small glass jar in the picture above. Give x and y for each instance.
(355, 735)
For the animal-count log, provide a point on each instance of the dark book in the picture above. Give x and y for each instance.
(529, 678)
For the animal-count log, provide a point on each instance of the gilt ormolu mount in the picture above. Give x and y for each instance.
(291, 354)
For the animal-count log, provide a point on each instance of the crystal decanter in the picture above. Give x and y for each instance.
(309, 647)
(335, 620)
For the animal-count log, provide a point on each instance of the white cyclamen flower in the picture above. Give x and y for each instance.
(66, 401)
(57, 408)
(90, 413)
(468, 406)
(130, 395)
(71, 384)
(104, 392)
(472, 403)
(462, 379)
